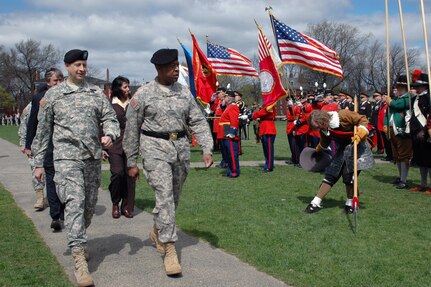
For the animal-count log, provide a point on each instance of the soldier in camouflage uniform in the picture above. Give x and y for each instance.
(38, 186)
(74, 111)
(159, 115)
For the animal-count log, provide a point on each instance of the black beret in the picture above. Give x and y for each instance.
(75, 55)
(164, 56)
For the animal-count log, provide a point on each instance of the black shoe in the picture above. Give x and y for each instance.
(401, 185)
(265, 170)
(348, 209)
(56, 225)
(311, 208)
(298, 165)
(396, 181)
(289, 162)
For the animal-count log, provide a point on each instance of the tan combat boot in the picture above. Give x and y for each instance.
(154, 236)
(82, 275)
(40, 200)
(172, 266)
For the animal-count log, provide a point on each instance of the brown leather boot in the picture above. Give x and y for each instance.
(154, 236)
(82, 275)
(172, 266)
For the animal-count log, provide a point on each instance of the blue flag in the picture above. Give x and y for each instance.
(188, 55)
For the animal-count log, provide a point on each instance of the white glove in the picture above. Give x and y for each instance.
(289, 102)
(299, 104)
(243, 117)
(208, 110)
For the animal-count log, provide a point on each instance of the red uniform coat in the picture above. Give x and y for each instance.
(267, 125)
(229, 117)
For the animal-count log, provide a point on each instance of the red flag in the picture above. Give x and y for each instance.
(271, 87)
(205, 76)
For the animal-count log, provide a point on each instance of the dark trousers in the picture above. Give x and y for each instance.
(380, 140)
(232, 150)
(268, 151)
(122, 186)
(56, 208)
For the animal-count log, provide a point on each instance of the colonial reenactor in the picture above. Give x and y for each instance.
(73, 113)
(383, 129)
(158, 117)
(339, 126)
(399, 134)
(296, 123)
(312, 136)
(419, 131)
(229, 121)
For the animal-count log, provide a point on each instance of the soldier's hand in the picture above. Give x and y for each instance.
(28, 153)
(39, 173)
(133, 172)
(106, 142)
(208, 160)
(22, 149)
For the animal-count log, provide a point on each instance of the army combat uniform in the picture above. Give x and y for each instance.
(157, 121)
(74, 116)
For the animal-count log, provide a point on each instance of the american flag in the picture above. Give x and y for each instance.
(297, 48)
(226, 61)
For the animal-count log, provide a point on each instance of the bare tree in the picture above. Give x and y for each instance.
(23, 65)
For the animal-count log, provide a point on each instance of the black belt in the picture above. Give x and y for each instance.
(166, 136)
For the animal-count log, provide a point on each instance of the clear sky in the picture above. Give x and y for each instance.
(122, 35)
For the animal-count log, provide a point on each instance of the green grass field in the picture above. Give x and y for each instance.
(259, 218)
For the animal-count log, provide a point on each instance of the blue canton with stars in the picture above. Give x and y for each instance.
(219, 52)
(284, 32)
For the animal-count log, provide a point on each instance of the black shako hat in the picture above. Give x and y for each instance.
(422, 80)
(75, 55)
(164, 56)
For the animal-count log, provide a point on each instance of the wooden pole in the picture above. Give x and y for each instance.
(406, 62)
(355, 201)
(426, 46)
(388, 64)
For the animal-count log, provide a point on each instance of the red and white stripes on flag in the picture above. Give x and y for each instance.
(297, 48)
(226, 61)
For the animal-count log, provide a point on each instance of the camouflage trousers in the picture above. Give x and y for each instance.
(36, 184)
(167, 180)
(77, 183)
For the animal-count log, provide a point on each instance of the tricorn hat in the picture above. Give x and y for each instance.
(310, 160)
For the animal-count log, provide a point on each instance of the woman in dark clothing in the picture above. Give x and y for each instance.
(122, 187)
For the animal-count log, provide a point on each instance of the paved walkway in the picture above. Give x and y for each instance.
(121, 253)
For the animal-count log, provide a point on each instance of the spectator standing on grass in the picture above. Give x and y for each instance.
(56, 209)
(73, 112)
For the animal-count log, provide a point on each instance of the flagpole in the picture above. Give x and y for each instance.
(406, 62)
(426, 46)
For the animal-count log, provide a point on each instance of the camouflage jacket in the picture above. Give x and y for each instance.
(74, 116)
(155, 110)
(22, 131)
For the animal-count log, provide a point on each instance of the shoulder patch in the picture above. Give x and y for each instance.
(42, 102)
(134, 103)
